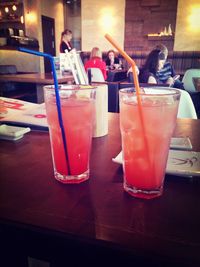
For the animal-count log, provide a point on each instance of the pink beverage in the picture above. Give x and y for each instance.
(145, 142)
(78, 111)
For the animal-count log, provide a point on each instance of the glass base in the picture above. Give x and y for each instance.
(72, 179)
(141, 193)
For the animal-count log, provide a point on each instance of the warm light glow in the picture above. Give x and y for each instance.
(31, 17)
(22, 19)
(166, 32)
(14, 8)
(6, 9)
(193, 18)
(107, 20)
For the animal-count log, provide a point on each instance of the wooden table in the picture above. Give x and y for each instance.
(95, 223)
(40, 79)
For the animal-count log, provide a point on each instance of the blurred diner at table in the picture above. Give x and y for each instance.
(96, 61)
(65, 42)
(112, 61)
(167, 74)
(154, 62)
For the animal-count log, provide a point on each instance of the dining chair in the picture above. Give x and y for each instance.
(186, 107)
(8, 69)
(196, 82)
(7, 87)
(188, 79)
(96, 75)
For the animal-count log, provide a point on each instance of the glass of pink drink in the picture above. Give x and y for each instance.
(146, 130)
(78, 113)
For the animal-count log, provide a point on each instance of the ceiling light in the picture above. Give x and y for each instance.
(14, 8)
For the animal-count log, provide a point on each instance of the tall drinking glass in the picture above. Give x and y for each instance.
(78, 113)
(147, 123)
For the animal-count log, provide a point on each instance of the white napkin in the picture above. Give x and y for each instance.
(12, 132)
(182, 163)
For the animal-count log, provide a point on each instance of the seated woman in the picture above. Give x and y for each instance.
(96, 61)
(154, 62)
(167, 74)
(112, 62)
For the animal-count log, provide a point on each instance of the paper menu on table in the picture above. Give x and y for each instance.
(23, 113)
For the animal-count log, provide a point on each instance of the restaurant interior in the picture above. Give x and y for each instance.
(45, 223)
(137, 26)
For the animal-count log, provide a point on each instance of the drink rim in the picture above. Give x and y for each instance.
(69, 87)
(161, 91)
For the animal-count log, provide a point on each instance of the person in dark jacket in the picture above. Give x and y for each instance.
(65, 44)
(112, 61)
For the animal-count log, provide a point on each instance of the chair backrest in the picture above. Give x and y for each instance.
(188, 79)
(8, 69)
(186, 107)
(96, 75)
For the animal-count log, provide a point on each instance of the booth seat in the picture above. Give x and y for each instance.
(181, 60)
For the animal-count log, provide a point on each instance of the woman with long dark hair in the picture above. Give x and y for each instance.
(112, 61)
(154, 62)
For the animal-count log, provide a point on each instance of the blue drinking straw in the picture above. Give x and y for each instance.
(22, 49)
